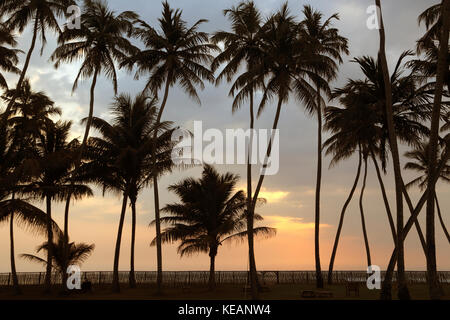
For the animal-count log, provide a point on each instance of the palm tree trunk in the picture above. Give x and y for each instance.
(385, 199)
(341, 221)
(361, 209)
(442, 220)
(48, 272)
(386, 290)
(250, 213)
(269, 151)
(433, 281)
(212, 269)
(403, 292)
(133, 240)
(17, 289)
(78, 163)
(319, 278)
(115, 283)
(25, 67)
(159, 277)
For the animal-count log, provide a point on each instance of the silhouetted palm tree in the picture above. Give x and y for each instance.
(8, 55)
(121, 159)
(77, 254)
(54, 160)
(326, 41)
(420, 164)
(242, 46)
(174, 54)
(435, 289)
(43, 13)
(100, 43)
(353, 131)
(210, 213)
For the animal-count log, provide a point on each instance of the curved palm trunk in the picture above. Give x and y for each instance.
(78, 163)
(17, 289)
(403, 292)
(442, 220)
(363, 220)
(48, 272)
(250, 213)
(132, 278)
(25, 67)
(341, 221)
(385, 199)
(159, 277)
(269, 151)
(435, 289)
(115, 283)
(319, 278)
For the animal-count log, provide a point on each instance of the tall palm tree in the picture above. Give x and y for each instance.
(435, 289)
(174, 54)
(100, 43)
(12, 172)
(44, 14)
(327, 42)
(210, 213)
(403, 292)
(242, 46)
(54, 158)
(353, 131)
(8, 55)
(121, 159)
(30, 115)
(419, 163)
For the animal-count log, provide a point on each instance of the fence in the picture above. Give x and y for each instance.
(183, 278)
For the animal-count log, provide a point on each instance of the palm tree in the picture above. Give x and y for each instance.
(432, 19)
(210, 213)
(77, 254)
(121, 159)
(242, 46)
(325, 41)
(100, 43)
(8, 56)
(403, 292)
(442, 69)
(174, 54)
(13, 171)
(54, 158)
(44, 14)
(353, 131)
(419, 163)
(30, 115)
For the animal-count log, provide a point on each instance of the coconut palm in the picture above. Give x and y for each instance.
(209, 214)
(12, 172)
(44, 14)
(8, 55)
(419, 164)
(174, 54)
(435, 289)
(242, 46)
(432, 19)
(54, 160)
(77, 254)
(326, 41)
(121, 159)
(286, 67)
(353, 131)
(100, 43)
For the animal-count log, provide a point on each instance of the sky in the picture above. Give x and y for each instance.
(289, 194)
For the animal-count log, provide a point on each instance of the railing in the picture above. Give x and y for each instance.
(183, 278)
